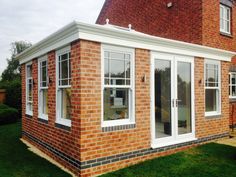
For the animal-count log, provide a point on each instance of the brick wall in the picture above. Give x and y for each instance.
(65, 142)
(86, 149)
(211, 35)
(180, 22)
(191, 21)
(210, 125)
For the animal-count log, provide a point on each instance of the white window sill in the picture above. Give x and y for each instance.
(64, 122)
(112, 123)
(158, 145)
(43, 116)
(212, 114)
(30, 113)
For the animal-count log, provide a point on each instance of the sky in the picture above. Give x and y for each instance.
(33, 20)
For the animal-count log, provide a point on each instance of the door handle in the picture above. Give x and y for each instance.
(177, 102)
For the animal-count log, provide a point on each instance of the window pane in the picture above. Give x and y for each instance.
(44, 101)
(127, 69)
(106, 67)
(64, 69)
(66, 103)
(162, 98)
(117, 82)
(211, 96)
(233, 91)
(30, 90)
(115, 55)
(117, 68)
(233, 79)
(211, 75)
(29, 71)
(116, 104)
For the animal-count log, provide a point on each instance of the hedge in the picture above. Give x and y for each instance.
(8, 114)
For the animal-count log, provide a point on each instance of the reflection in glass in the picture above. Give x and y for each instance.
(116, 103)
(210, 99)
(45, 101)
(184, 98)
(162, 99)
(65, 103)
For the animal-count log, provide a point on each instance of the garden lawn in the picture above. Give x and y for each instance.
(17, 161)
(210, 160)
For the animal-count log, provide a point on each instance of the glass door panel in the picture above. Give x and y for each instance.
(163, 123)
(183, 102)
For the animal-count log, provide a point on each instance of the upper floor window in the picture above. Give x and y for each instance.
(225, 19)
(118, 86)
(43, 87)
(29, 89)
(212, 88)
(64, 86)
(232, 85)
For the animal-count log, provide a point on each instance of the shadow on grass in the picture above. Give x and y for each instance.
(17, 161)
(210, 160)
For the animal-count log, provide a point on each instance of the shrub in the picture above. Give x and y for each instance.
(13, 93)
(8, 114)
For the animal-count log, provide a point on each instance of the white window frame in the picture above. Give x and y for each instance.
(28, 112)
(40, 100)
(218, 101)
(59, 118)
(131, 119)
(230, 85)
(223, 10)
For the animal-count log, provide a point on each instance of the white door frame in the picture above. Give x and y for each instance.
(175, 138)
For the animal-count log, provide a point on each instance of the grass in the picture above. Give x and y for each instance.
(210, 160)
(17, 161)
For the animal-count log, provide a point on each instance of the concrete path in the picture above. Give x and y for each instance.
(229, 141)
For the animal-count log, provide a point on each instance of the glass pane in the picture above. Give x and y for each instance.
(106, 68)
(117, 82)
(66, 103)
(211, 96)
(116, 104)
(44, 101)
(233, 79)
(233, 91)
(64, 69)
(211, 75)
(162, 99)
(115, 55)
(127, 69)
(29, 71)
(184, 98)
(117, 68)
(30, 90)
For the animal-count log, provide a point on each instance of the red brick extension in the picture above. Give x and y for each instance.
(191, 21)
(86, 145)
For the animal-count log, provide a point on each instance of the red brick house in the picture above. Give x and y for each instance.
(200, 22)
(97, 98)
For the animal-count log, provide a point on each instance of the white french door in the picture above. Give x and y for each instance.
(172, 99)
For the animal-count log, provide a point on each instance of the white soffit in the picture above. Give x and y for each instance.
(116, 36)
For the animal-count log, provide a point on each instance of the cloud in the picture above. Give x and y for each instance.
(33, 20)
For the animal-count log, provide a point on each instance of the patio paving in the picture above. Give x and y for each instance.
(229, 141)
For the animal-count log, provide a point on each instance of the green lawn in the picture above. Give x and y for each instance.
(17, 161)
(211, 160)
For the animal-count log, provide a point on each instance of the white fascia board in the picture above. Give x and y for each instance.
(55, 41)
(134, 39)
(110, 35)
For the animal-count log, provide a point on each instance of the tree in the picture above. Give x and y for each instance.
(12, 71)
(11, 80)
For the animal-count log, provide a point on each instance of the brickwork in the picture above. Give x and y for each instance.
(86, 148)
(180, 22)
(211, 35)
(191, 21)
